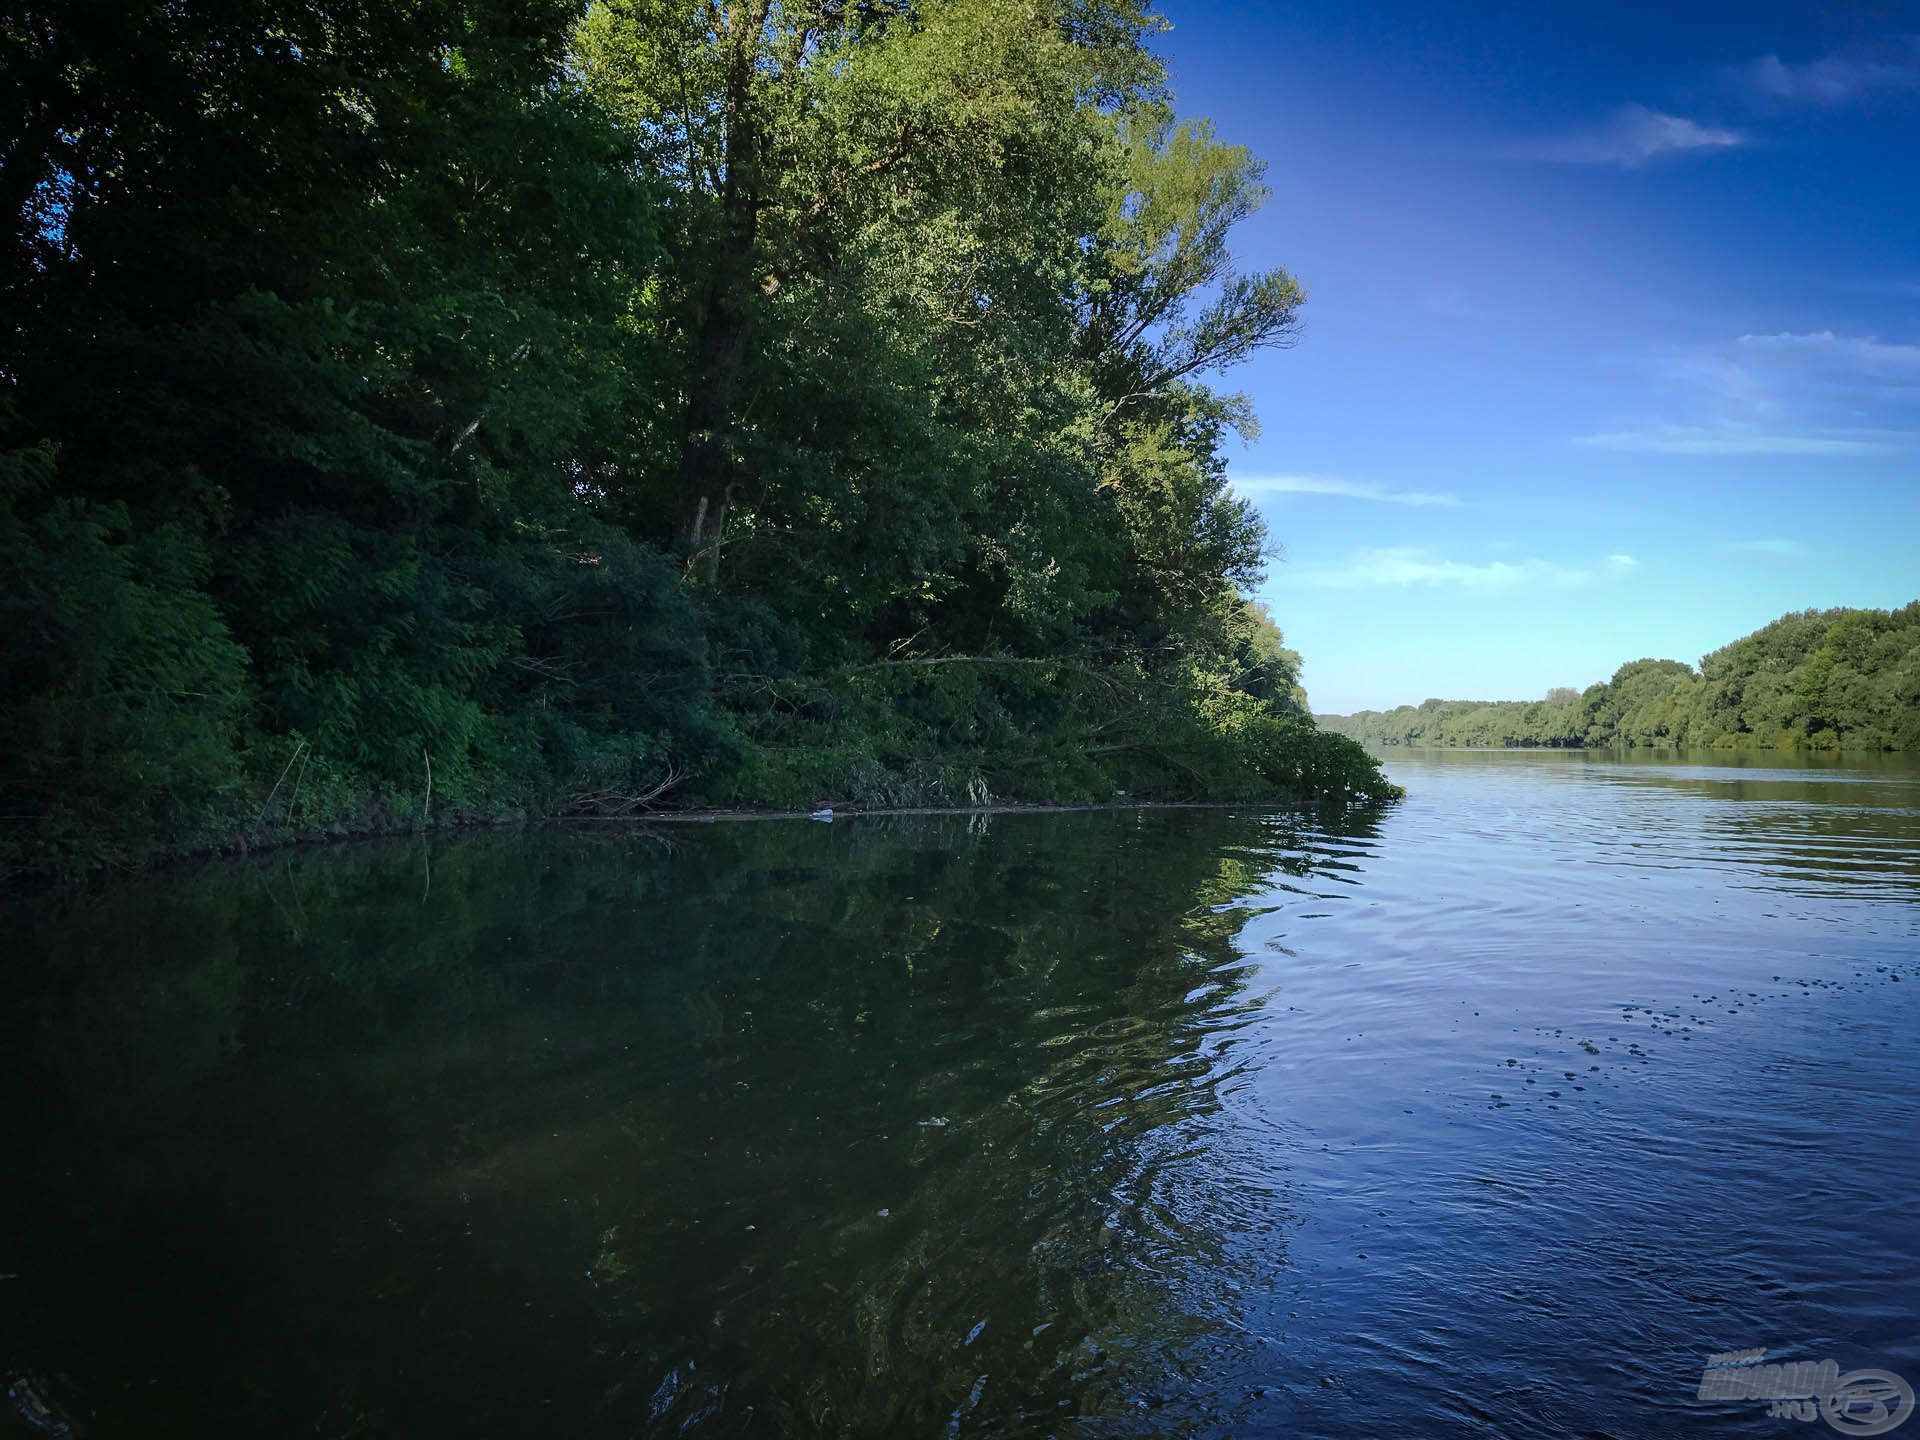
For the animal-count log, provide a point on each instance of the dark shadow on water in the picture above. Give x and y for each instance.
(880, 1128)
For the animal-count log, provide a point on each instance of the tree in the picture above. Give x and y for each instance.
(1833, 679)
(788, 129)
(383, 380)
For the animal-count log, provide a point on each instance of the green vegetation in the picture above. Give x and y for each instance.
(427, 409)
(1818, 679)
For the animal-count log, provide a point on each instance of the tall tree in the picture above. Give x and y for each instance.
(788, 128)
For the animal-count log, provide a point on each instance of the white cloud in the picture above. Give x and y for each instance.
(1409, 565)
(1632, 136)
(1782, 548)
(1727, 440)
(1814, 392)
(1838, 358)
(1256, 485)
(1727, 379)
(1622, 562)
(1835, 79)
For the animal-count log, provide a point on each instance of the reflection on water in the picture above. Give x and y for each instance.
(1501, 1110)
(824, 1129)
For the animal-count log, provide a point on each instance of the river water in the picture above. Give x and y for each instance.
(1497, 1112)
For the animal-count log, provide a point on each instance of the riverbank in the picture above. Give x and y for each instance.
(858, 812)
(244, 847)
(1240, 753)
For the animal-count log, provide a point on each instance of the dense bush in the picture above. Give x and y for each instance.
(425, 409)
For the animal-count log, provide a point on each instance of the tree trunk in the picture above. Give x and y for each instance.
(706, 481)
(706, 468)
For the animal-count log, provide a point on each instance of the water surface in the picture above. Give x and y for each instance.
(1497, 1112)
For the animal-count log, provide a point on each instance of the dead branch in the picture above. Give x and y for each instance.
(615, 803)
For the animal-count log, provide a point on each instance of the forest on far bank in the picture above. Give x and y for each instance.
(427, 410)
(1816, 679)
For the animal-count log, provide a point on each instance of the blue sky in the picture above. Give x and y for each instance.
(1612, 343)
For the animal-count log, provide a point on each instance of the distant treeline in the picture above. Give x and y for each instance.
(1818, 679)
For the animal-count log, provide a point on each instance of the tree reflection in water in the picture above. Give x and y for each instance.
(877, 1128)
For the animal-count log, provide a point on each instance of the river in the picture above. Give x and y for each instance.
(1498, 1111)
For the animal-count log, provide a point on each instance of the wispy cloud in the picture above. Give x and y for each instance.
(1782, 548)
(1704, 440)
(1620, 561)
(1813, 392)
(1253, 486)
(1892, 65)
(1632, 136)
(1858, 358)
(1412, 565)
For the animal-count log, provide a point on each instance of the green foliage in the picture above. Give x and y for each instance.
(124, 688)
(1818, 679)
(434, 409)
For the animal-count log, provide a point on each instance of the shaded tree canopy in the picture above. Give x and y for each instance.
(425, 409)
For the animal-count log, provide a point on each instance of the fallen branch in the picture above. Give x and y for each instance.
(613, 803)
(299, 745)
